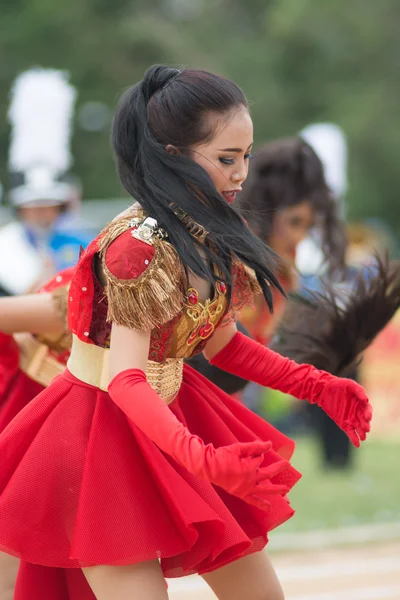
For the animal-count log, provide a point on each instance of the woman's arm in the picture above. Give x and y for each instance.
(342, 399)
(129, 349)
(231, 384)
(221, 338)
(33, 313)
(234, 468)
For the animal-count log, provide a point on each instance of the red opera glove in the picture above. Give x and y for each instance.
(235, 468)
(342, 399)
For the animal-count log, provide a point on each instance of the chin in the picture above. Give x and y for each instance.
(290, 257)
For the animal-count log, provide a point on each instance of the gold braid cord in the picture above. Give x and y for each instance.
(59, 343)
(153, 298)
(60, 302)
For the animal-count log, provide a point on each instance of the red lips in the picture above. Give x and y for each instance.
(230, 197)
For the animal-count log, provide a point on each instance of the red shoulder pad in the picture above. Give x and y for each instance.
(127, 257)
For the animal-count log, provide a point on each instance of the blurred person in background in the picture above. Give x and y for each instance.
(29, 361)
(285, 198)
(47, 235)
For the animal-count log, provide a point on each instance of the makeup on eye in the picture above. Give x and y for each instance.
(301, 222)
(230, 161)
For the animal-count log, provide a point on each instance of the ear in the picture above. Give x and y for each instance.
(172, 149)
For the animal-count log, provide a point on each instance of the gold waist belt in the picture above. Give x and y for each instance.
(36, 361)
(90, 364)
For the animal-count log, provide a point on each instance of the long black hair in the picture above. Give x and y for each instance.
(284, 173)
(171, 107)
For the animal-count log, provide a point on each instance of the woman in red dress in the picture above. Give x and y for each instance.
(130, 466)
(28, 363)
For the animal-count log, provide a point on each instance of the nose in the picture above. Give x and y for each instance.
(301, 234)
(240, 173)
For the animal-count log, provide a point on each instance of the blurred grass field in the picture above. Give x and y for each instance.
(368, 493)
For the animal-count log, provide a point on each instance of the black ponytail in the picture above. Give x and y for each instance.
(168, 107)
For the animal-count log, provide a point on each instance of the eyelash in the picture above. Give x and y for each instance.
(230, 161)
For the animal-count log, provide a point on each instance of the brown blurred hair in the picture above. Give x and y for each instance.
(284, 173)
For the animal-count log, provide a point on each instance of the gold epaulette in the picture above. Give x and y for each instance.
(155, 296)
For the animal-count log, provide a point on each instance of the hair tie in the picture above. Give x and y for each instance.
(170, 80)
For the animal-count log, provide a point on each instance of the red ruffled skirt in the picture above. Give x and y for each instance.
(21, 390)
(81, 485)
(16, 388)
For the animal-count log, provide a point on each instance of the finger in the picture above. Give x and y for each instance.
(361, 427)
(368, 413)
(258, 501)
(353, 437)
(362, 398)
(272, 470)
(361, 434)
(255, 448)
(252, 463)
(364, 411)
(365, 425)
(364, 417)
(354, 422)
(273, 489)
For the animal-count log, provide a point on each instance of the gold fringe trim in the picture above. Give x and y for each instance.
(152, 299)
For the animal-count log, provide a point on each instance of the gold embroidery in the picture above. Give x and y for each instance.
(194, 228)
(204, 316)
(58, 343)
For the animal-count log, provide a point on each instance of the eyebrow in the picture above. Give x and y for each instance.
(234, 149)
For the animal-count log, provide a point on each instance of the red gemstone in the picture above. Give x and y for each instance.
(192, 297)
(222, 287)
(206, 330)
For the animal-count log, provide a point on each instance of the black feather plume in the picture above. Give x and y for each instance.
(332, 329)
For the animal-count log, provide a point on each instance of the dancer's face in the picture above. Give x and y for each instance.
(226, 156)
(41, 217)
(290, 226)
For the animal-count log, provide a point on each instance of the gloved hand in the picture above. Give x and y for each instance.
(346, 403)
(342, 399)
(235, 468)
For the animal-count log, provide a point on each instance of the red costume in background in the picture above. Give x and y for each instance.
(29, 363)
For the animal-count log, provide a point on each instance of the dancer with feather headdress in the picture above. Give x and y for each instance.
(37, 245)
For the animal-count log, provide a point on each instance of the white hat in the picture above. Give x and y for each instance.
(330, 145)
(40, 114)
